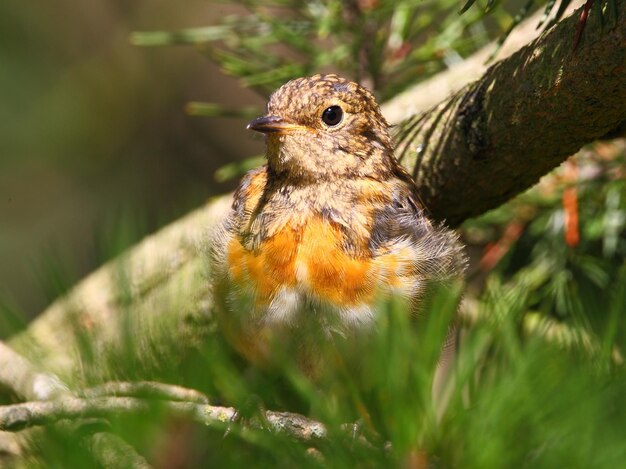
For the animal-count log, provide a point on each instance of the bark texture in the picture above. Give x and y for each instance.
(498, 135)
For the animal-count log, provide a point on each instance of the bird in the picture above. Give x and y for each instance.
(329, 226)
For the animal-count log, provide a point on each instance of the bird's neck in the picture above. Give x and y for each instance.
(313, 161)
(329, 197)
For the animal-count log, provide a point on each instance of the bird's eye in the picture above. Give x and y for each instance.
(332, 116)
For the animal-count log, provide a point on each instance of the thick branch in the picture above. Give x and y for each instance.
(21, 377)
(153, 292)
(497, 136)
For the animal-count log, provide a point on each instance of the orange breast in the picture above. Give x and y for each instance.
(309, 258)
(267, 268)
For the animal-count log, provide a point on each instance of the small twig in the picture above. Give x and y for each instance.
(355, 14)
(19, 416)
(582, 21)
(550, 330)
(23, 378)
(145, 389)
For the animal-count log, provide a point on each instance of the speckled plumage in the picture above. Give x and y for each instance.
(329, 226)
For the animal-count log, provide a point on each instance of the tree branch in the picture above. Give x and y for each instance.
(428, 93)
(19, 375)
(20, 416)
(146, 390)
(497, 136)
(23, 378)
(158, 291)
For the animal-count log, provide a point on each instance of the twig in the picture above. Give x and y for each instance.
(355, 13)
(19, 416)
(550, 330)
(432, 91)
(145, 389)
(22, 377)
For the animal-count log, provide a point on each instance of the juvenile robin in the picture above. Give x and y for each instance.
(329, 226)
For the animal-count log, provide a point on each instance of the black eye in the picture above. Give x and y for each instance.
(332, 115)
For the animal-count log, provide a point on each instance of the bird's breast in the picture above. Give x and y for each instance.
(309, 258)
(308, 264)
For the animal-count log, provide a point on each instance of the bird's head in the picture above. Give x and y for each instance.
(324, 127)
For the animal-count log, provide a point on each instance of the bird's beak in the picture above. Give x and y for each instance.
(272, 124)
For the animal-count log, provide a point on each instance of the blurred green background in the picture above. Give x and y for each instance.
(95, 147)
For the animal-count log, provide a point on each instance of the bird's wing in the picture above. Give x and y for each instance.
(401, 225)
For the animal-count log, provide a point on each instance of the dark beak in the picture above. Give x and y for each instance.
(272, 124)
